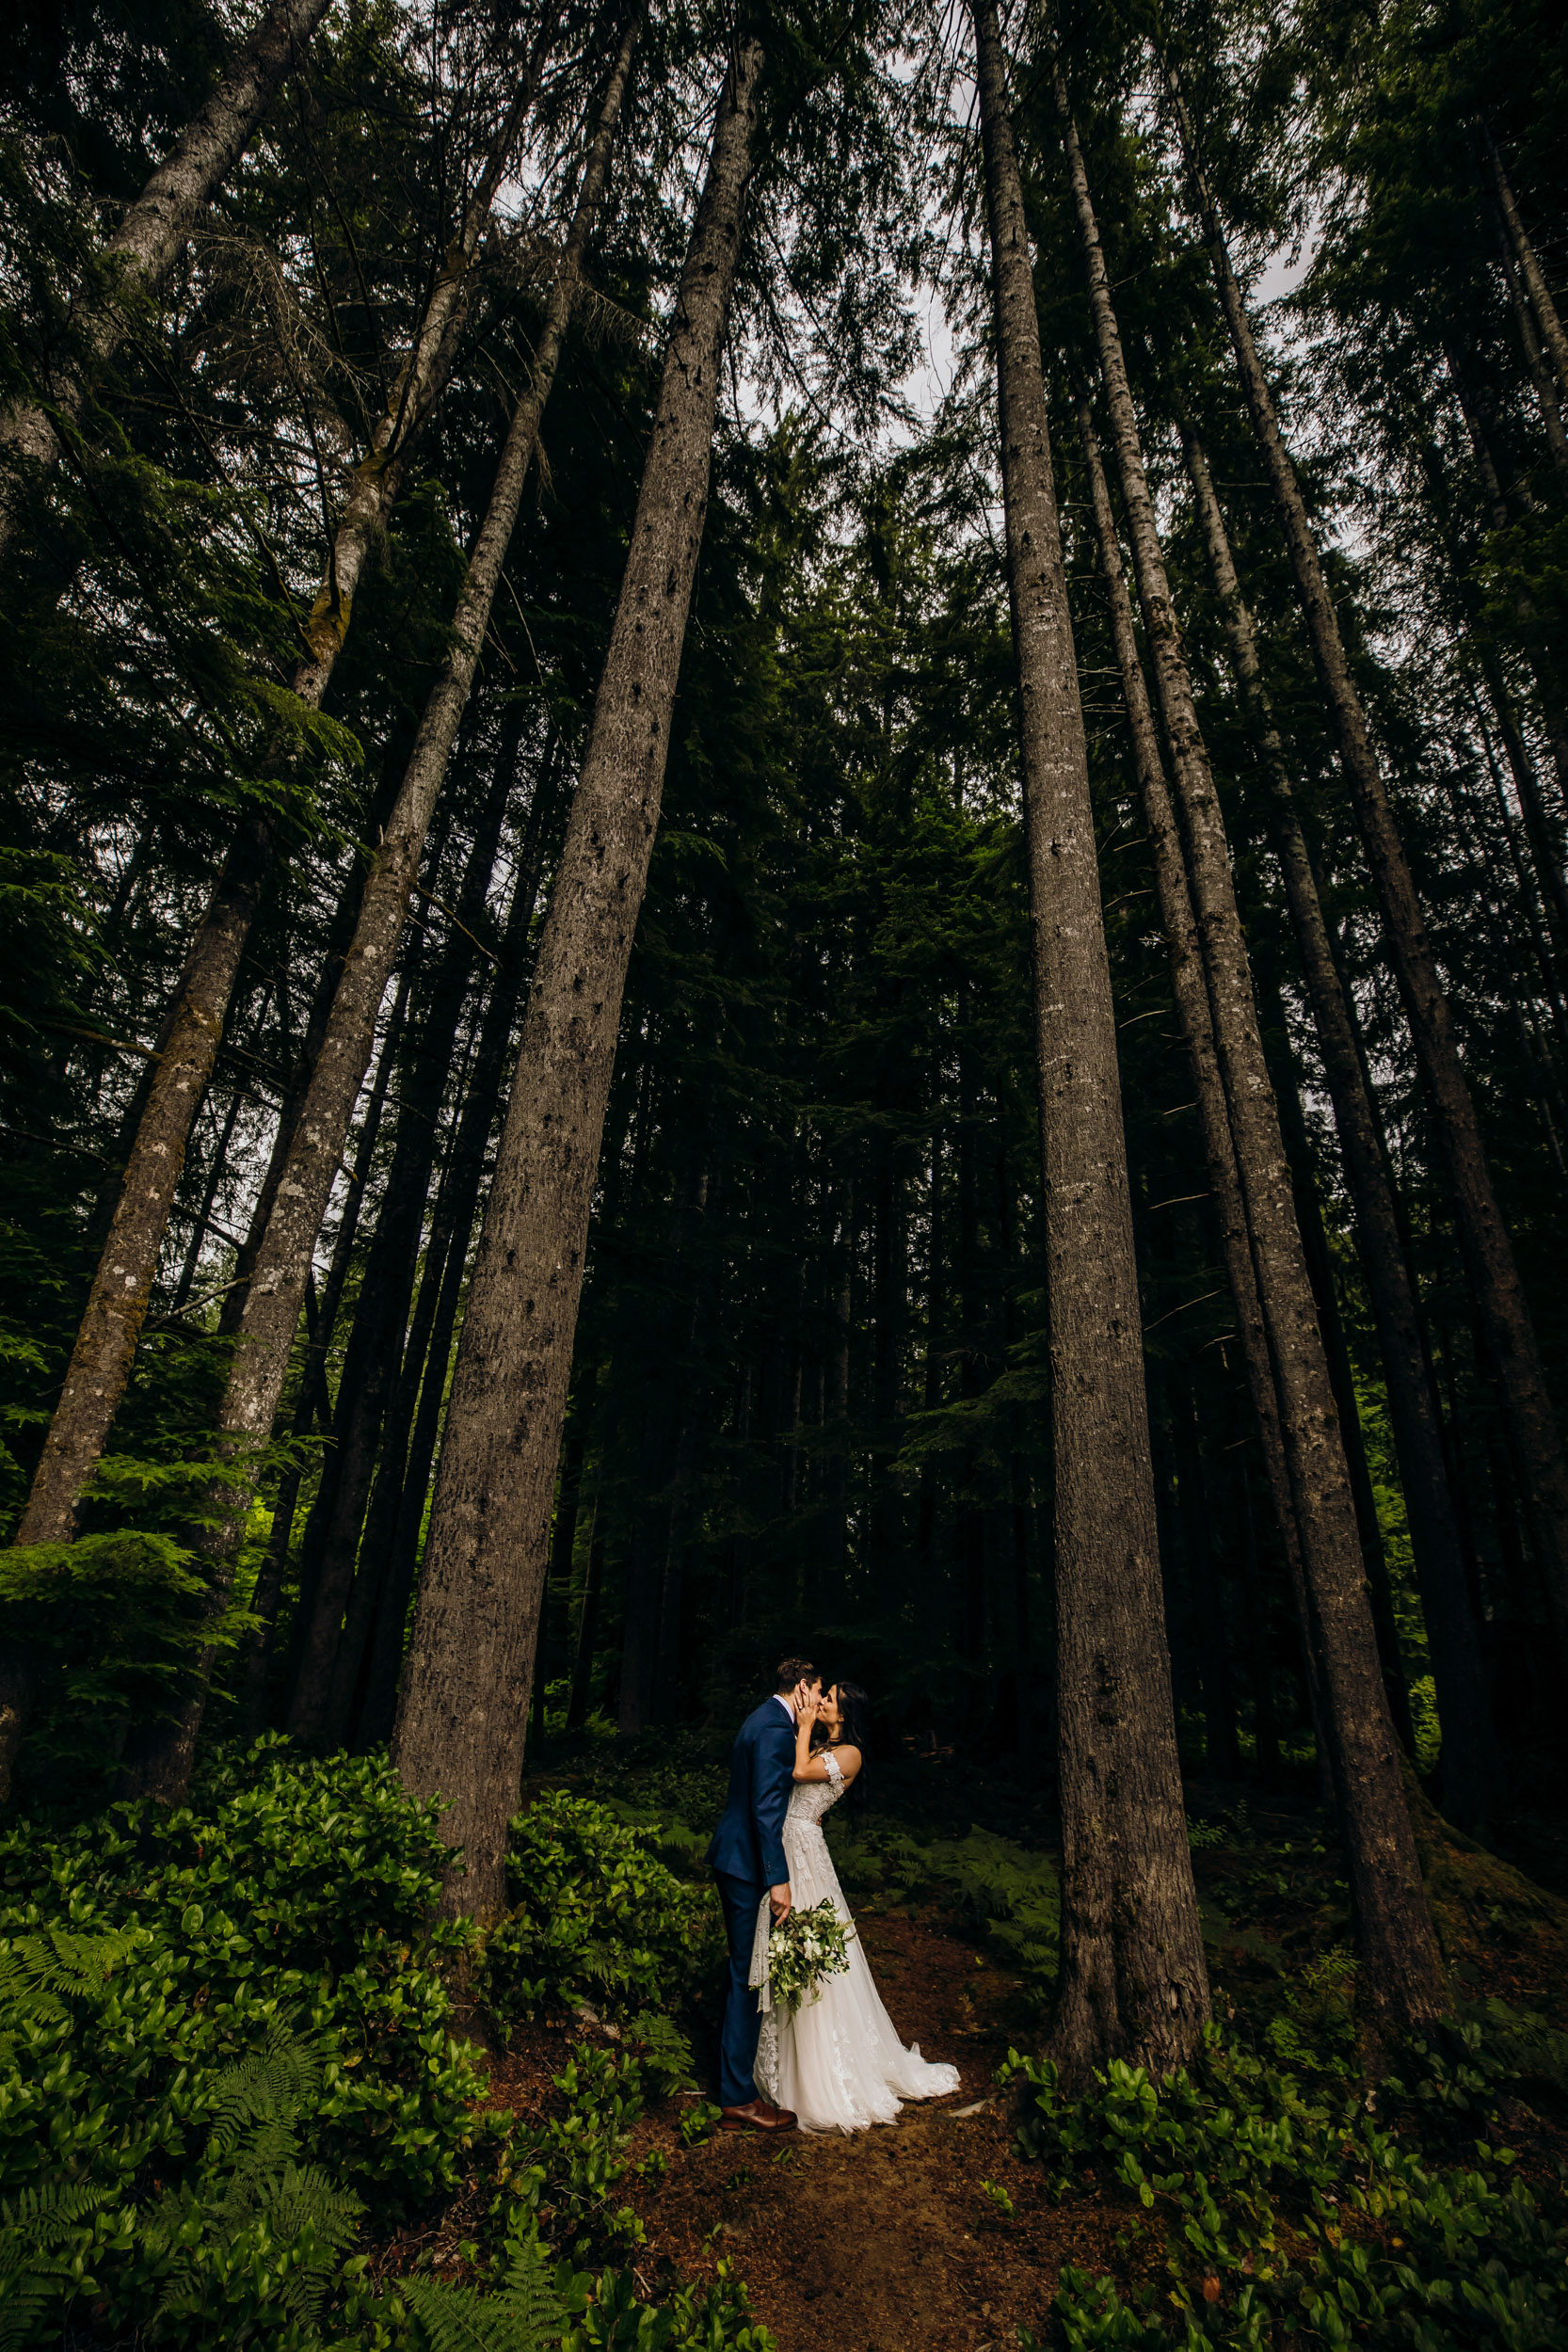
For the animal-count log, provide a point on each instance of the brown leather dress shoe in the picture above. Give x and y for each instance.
(757, 2115)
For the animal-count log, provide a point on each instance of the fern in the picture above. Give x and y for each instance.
(297, 2216)
(256, 2198)
(41, 2229)
(662, 2051)
(530, 2313)
(41, 1974)
(267, 2086)
(460, 2319)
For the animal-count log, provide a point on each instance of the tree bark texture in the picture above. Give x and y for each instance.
(1190, 990)
(149, 240)
(391, 1272)
(466, 1684)
(1401, 1974)
(1488, 1250)
(1469, 1757)
(1134, 1979)
(117, 1304)
(454, 1224)
(277, 1286)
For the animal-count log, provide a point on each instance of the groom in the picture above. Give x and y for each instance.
(746, 1858)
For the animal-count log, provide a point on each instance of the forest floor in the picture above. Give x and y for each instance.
(885, 2242)
(934, 2231)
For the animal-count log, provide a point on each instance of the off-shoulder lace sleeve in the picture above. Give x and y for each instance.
(835, 1777)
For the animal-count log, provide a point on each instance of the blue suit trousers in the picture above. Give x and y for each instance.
(741, 1899)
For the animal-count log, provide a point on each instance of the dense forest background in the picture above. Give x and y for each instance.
(809, 1379)
(344, 351)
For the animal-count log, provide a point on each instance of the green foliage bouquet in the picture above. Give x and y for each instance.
(804, 1948)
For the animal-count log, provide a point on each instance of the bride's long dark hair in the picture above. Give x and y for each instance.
(855, 1730)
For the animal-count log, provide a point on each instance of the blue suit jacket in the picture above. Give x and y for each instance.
(748, 1843)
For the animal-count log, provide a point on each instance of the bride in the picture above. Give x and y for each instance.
(836, 2059)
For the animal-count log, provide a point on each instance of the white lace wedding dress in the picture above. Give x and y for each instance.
(837, 2061)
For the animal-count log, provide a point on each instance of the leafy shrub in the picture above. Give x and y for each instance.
(293, 1896)
(1293, 2215)
(218, 2049)
(224, 2053)
(595, 1916)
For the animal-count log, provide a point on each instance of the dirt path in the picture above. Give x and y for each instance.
(887, 2242)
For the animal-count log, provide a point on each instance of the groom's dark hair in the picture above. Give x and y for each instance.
(790, 1671)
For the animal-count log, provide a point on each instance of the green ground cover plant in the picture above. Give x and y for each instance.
(1273, 2204)
(229, 2072)
(595, 1915)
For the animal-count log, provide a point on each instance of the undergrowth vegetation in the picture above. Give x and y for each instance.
(229, 2075)
(239, 2106)
(1280, 2201)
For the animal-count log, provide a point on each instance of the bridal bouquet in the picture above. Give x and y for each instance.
(807, 1947)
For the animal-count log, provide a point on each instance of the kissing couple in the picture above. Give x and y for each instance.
(833, 2064)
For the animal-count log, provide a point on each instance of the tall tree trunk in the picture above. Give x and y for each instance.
(1134, 1979)
(1341, 1373)
(1545, 849)
(1549, 966)
(1537, 365)
(313, 1402)
(666, 1441)
(1255, 1614)
(925, 1546)
(272, 1301)
(193, 1027)
(1401, 1976)
(644, 1572)
(1470, 1763)
(587, 1627)
(969, 1528)
(1489, 1253)
(1190, 990)
(466, 1685)
(889, 1306)
(449, 1244)
(201, 1220)
(843, 1325)
(568, 1500)
(1554, 712)
(389, 1282)
(150, 237)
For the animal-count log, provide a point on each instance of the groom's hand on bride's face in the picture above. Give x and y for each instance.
(779, 1898)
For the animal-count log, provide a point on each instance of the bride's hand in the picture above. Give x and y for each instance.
(807, 1707)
